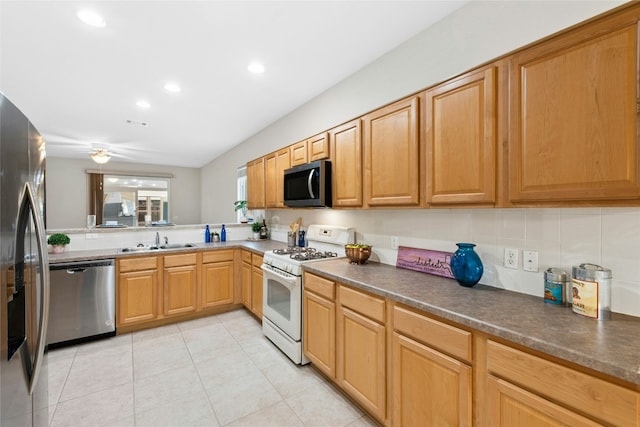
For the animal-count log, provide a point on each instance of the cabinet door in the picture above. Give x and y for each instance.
(429, 388)
(392, 155)
(283, 162)
(255, 184)
(573, 122)
(346, 159)
(509, 405)
(180, 290)
(319, 332)
(298, 153)
(217, 284)
(461, 125)
(270, 190)
(137, 297)
(318, 147)
(362, 360)
(256, 291)
(246, 285)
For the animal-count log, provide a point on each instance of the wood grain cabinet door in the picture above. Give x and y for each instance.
(255, 184)
(319, 332)
(180, 284)
(392, 155)
(573, 128)
(283, 162)
(246, 285)
(460, 118)
(346, 159)
(429, 387)
(137, 297)
(256, 291)
(217, 284)
(270, 189)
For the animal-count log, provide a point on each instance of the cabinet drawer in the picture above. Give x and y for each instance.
(179, 260)
(370, 306)
(256, 260)
(321, 286)
(598, 398)
(138, 264)
(433, 333)
(217, 256)
(246, 256)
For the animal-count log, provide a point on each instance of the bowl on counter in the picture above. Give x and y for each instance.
(358, 254)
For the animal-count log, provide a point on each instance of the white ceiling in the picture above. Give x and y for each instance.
(79, 84)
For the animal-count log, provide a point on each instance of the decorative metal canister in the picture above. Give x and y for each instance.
(591, 291)
(556, 289)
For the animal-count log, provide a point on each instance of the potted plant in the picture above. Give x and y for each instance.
(58, 241)
(241, 205)
(256, 227)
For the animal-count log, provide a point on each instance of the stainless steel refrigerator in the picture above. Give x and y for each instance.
(24, 294)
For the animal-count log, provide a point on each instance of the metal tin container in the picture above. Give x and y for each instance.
(556, 289)
(591, 291)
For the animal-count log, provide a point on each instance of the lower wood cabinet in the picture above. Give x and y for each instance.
(319, 323)
(137, 291)
(180, 284)
(246, 279)
(252, 282)
(217, 279)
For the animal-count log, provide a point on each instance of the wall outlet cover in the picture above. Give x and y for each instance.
(511, 258)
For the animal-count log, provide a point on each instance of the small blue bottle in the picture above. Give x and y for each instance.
(207, 235)
(223, 234)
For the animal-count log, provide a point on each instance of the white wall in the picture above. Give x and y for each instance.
(67, 192)
(476, 33)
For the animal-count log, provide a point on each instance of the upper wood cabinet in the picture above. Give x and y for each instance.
(314, 148)
(255, 184)
(573, 127)
(391, 152)
(461, 126)
(283, 162)
(346, 163)
(270, 190)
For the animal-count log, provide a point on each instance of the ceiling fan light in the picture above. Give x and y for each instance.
(100, 156)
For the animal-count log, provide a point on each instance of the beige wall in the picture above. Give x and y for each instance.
(67, 192)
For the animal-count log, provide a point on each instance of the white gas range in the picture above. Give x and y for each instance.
(282, 285)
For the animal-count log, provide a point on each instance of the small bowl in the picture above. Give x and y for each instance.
(358, 255)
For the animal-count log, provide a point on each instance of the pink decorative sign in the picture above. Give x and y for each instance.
(425, 261)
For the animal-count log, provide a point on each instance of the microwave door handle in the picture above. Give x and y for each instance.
(309, 186)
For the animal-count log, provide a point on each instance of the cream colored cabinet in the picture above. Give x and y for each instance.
(431, 387)
(528, 390)
(180, 284)
(137, 290)
(309, 150)
(217, 285)
(461, 128)
(391, 151)
(346, 162)
(256, 184)
(573, 131)
(361, 349)
(319, 323)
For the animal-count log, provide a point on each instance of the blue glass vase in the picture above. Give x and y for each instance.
(466, 265)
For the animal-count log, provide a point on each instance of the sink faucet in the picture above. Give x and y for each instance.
(166, 240)
(157, 238)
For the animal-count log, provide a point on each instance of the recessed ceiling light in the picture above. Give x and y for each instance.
(172, 87)
(256, 68)
(90, 17)
(143, 104)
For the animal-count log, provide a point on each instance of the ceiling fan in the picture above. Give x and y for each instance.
(100, 152)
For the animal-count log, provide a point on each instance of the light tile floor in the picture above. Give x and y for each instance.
(215, 371)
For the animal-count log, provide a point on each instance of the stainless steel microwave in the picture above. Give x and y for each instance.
(308, 185)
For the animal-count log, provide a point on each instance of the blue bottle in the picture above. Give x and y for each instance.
(207, 235)
(223, 234)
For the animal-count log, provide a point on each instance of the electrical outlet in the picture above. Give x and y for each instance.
(511, 258)
(394, 242)
(530, 261)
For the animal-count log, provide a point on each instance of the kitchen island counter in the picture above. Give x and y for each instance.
(611, 347)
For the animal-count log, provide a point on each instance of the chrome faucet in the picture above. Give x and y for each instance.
(166, 240)
(157, 238)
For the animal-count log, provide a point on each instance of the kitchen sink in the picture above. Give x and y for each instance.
(137, 249)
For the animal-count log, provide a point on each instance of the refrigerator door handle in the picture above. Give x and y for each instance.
(28, 208)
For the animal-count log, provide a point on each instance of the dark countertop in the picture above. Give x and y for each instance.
(610, 346)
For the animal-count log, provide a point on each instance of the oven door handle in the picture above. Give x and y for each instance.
(288, 280)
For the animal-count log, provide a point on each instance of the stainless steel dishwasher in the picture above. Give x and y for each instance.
(82, 302)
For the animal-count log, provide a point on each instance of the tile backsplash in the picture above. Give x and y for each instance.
(563, 237)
